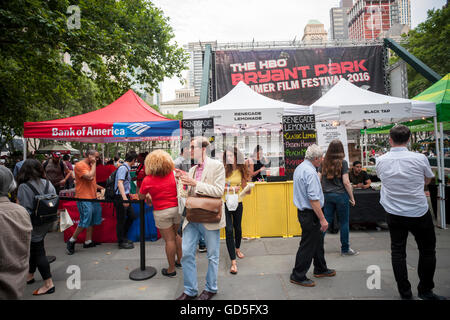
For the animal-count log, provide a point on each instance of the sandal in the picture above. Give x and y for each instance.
(233, 271)
(49, 291)
(240, 255)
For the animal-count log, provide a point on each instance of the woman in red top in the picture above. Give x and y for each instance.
(160, 186)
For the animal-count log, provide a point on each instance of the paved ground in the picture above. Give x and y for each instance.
(263, 273)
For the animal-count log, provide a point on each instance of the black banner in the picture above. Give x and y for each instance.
(299, 76)
(299, 132)
(199, 127)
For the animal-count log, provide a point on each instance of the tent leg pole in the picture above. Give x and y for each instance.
(438, 160)
(361, 148)
(443, 222)
(24, 148)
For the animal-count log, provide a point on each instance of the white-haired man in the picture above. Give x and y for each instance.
(309, 200)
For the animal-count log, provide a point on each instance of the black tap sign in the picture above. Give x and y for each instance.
(299, 132)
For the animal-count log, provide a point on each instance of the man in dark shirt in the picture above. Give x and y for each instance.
(358, 177)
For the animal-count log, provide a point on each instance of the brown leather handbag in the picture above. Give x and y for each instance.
(203, 209)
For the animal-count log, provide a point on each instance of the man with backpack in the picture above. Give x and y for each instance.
(86, 188)
(56, 171)
(125, 212)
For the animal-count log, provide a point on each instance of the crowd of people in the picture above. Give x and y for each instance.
(323, 187)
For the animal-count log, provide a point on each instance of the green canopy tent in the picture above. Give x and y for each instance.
(438, 93)
(421, 125)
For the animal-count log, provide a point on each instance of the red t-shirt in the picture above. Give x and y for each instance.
(163, 191)
(103, 172)
(140, 175)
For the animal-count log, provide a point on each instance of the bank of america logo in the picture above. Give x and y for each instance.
(138, 128)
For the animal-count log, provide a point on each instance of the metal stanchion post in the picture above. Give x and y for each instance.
(142, 273)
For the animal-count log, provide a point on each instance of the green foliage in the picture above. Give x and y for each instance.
(429, 42)
(119, 44)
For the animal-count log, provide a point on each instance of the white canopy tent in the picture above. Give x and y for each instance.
(357, 108)
(242, 107)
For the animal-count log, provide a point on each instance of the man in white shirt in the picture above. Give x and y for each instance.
(404, 174)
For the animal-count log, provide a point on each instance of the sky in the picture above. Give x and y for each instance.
(245, 20)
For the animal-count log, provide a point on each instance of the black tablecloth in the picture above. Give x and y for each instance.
(367, 210)
(368, 207)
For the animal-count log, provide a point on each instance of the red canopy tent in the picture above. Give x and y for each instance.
(128, 118)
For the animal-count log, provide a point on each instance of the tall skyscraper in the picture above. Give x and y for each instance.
(368, 18)
(346, 3)
(404, 10)
(339, 20)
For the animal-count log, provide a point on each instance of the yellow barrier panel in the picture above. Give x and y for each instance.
(269, 211)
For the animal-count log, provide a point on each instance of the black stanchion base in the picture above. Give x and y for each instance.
(139, 275)
(51, 259)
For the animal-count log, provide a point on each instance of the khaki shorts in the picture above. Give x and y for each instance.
(166, 218)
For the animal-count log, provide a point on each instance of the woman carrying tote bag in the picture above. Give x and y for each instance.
(236, 177)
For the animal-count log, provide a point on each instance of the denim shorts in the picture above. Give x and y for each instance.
(90, 213)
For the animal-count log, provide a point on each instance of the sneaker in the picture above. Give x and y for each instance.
(328, 273)
(201, 248)
(350, 252)
(178, 265)
(90, 245)
(304, 283)
(126, 245)
(70, 248)
(431, 296)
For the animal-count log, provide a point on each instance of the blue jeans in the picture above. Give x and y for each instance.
(191, 234)
(339, 203)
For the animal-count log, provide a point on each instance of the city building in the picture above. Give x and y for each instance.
(346, 3)
(196, 52)
(339, 21)
(368, 18)
(404, 12)
(185, 98)
(314, 32)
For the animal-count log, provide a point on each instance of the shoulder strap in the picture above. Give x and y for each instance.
(47, 185)
(61, 164)
(45, 164)
(32, 188)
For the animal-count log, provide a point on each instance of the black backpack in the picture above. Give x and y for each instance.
(110, 189)
(45, 208)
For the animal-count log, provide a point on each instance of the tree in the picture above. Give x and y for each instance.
(117, 44)
(429, 42)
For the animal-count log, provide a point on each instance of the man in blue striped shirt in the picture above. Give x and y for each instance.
(309, 200)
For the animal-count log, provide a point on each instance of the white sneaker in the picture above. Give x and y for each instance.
(350, 252)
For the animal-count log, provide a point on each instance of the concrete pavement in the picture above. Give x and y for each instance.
(262, 274)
